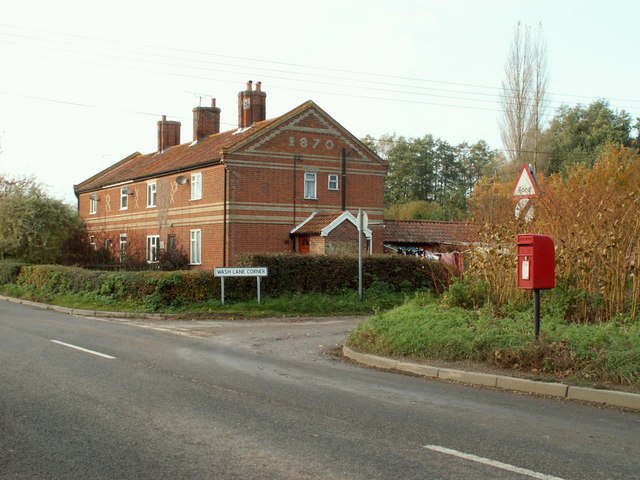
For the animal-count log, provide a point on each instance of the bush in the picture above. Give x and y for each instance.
(9, 271)
(51, 279)
(332, 274)
(33, 226)
(288, 274)
(466, 294)
(592, 216)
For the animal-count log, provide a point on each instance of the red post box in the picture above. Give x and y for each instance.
(536, 262)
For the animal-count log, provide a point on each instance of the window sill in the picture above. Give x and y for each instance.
(311, 198)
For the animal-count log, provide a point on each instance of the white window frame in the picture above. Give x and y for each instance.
(123, 247)
(153, 248)
(333, 178)
(311, 193)
(124, 198)
(152, 192)
(93, 204)
(196, 186)
(195, 247)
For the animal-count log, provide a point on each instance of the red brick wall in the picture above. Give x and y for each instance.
(262, 205)
(174, 213)
(262, 182)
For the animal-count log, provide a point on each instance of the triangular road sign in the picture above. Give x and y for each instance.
(527, 186)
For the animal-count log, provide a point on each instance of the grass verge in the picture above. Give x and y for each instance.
(290, 305)
(606, 353)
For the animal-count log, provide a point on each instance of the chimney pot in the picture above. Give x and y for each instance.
(258, 86)
(249, 85)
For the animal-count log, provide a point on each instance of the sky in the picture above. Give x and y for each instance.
(83, 84)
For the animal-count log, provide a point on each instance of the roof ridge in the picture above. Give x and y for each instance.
(417, 220)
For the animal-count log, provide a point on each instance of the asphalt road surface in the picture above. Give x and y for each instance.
(95, 399)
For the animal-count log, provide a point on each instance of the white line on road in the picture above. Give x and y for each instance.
(492, 463)
(84, 350)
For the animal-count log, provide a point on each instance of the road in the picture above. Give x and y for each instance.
(265, 400)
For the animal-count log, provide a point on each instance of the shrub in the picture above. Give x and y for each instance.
(592, 216)
(332, 274)
(9, 271)
(288, 274)
(466, 294)
(51, 279)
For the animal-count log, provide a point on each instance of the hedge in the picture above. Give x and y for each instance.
(331, 274)
(287, 274)
(9, 271)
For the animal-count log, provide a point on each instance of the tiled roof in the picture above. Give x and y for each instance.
(173, 159)
(426, 232)
(190, 155)
(317, 224)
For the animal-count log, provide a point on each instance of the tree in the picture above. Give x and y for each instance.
(33, 226)
(401, 179)
(577, 135)
(523, 95)
(430, 178)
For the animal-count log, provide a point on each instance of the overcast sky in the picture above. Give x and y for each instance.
(82, 84)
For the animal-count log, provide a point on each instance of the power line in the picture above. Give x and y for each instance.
(368, 137)
(271, 62)
(253, 59)
(201, 77)
(200, 67)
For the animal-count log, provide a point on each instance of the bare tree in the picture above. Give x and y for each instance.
(523, 95)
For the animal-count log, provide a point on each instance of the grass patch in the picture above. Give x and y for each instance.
(423, 327)
(288, 305)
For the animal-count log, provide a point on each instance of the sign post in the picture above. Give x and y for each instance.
(360, 229)
(224, 272)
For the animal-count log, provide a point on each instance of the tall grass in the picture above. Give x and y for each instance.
(593, 217)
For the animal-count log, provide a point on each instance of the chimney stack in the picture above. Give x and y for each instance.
(168, 133)
(206, 121)
(252, 105)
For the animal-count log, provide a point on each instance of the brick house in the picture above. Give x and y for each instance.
(266, 186)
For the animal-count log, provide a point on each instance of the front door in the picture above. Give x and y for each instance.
(303, 245)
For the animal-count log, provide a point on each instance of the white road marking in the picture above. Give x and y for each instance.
(492, 463)
(84, 350)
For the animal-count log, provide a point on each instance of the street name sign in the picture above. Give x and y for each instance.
(241, 272)
(224, 272)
